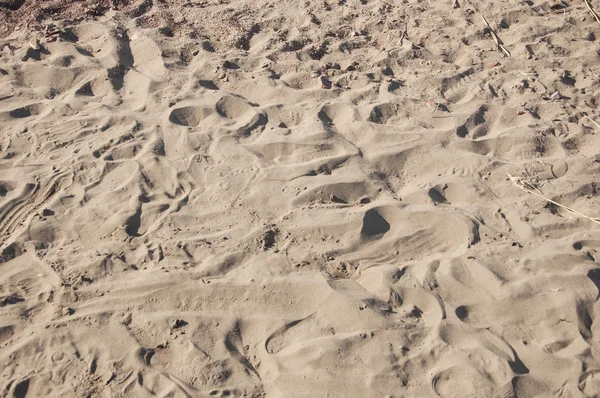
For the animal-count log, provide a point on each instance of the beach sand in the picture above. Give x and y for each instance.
(299, 199)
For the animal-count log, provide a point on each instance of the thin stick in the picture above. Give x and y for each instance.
(589, 7)
(404, 34)
(496, 38)
(409, 112)
(525, 186)
(593, 121)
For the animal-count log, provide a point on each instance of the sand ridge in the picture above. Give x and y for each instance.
(259, 198)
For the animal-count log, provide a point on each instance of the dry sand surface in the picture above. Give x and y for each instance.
(299, 198)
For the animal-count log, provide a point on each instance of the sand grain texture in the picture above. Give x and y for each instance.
(298, 199)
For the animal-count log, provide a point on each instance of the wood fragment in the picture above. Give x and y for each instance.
(409, 112)
(432, 104)
(404, 34)
(525, 186)
(589, 7)
(496, 39)
(401, 42)
(593, 121)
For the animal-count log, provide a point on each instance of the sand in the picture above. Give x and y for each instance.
(299, 199)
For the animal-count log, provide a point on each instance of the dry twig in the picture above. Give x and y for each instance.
(589, 7)
(527, 187)
(593, 121)
(496, 39)
(404, 34)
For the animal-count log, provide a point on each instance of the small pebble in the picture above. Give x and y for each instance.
(35, 44)
(68, 311)
(178, 323)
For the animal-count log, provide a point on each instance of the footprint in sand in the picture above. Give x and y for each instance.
(190, 116)
(231, 112)
(374, 225)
